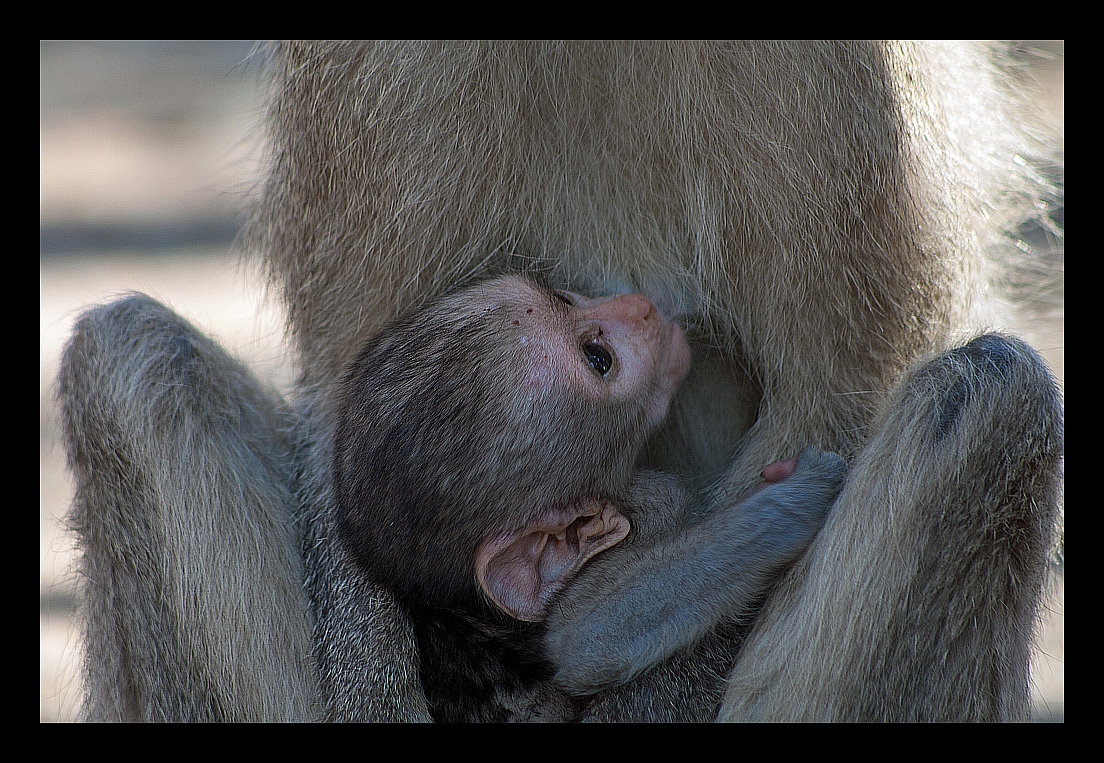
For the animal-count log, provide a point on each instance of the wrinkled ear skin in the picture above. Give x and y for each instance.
(521, 570)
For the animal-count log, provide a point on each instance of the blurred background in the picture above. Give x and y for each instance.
(149, 151)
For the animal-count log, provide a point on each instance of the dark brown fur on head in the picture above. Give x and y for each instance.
(439, 430)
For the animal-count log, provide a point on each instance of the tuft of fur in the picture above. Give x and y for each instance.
(365, 647)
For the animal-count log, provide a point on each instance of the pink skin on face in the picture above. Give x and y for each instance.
(618, 348)
(650, 354)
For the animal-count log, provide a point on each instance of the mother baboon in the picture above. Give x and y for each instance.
(822, 215)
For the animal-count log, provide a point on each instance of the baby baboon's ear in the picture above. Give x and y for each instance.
(520, 570)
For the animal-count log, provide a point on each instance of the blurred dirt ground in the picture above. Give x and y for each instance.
(147, 153)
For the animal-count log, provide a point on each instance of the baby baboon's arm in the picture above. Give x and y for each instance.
(643, 601)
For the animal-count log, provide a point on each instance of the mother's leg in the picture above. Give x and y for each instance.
(943, 527)
(192, 584)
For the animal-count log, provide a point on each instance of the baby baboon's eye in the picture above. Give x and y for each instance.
(564, 298)
(598, 357)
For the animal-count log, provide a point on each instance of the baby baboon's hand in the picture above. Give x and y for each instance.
(792, 510)
(819, 467)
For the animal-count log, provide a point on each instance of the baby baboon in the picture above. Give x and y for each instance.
(484, 452)
(822, 213)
